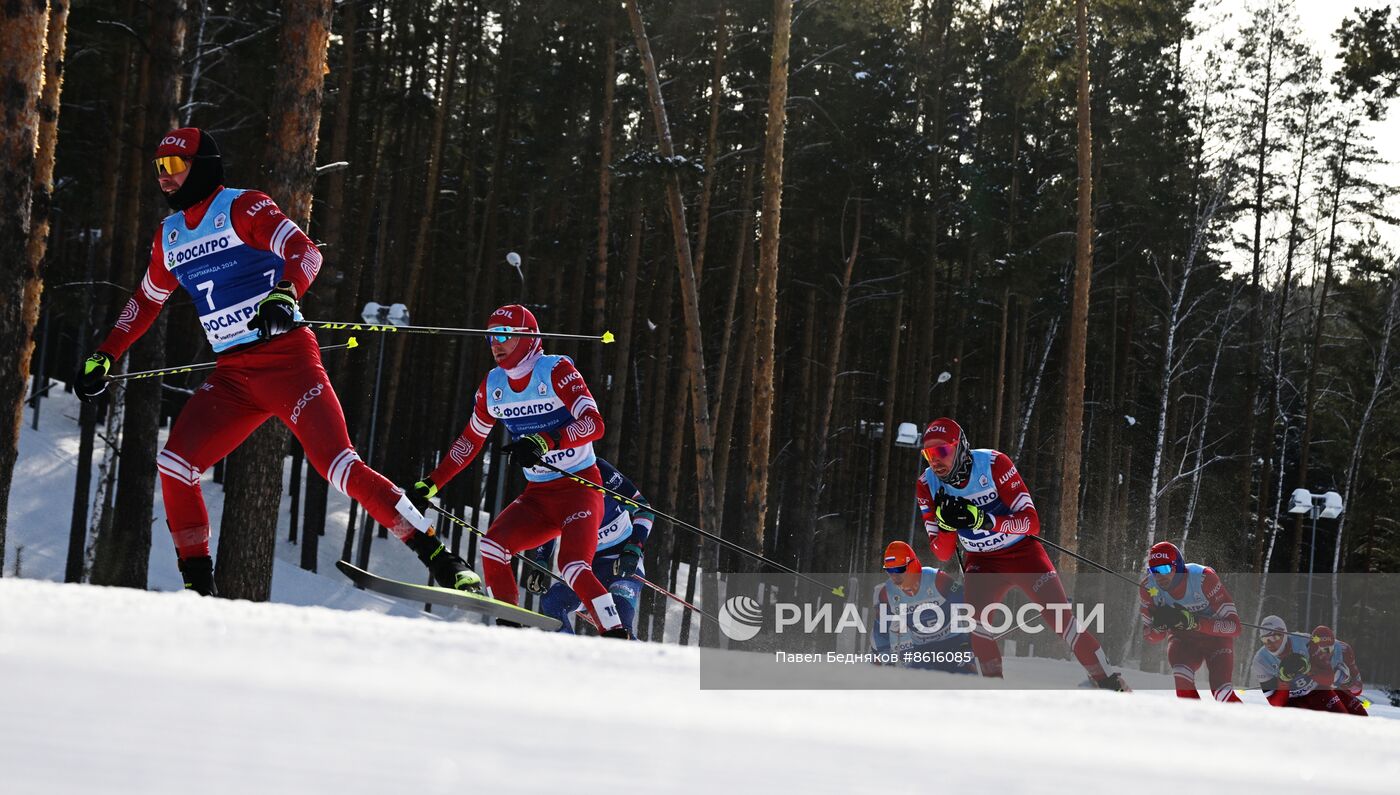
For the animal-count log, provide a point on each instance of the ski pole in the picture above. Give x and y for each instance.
(1129, 580)
(191, 368)
(838, 590)
(326, 325)
(463, 523)
(673, 597)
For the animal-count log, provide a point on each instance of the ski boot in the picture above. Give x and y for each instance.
(449, 570)
(1115, 682)
(198, 574)
(618, 631)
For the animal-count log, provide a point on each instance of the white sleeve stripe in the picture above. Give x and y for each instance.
(478, 426)
(280, 235)
(581, 405)
(152, 291)
(1021, 502)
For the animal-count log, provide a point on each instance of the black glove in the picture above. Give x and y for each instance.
(956, 513)
(92, 381)
(276, 313)
(1165, 617)
(526, 450)
(625, 565)
(1293, 666)
(536, 581)
(423, 491)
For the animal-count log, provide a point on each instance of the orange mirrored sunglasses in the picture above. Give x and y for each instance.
(939, 452)
(171, 164)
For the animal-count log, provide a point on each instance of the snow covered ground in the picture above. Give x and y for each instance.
(119, 691)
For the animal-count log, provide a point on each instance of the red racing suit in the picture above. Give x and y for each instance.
(1003, 555)
(1211, 642)
(282, 377)
(551, 506)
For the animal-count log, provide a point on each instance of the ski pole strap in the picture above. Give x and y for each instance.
(329, 325)
(838, 590)
(194, 368)
(673, 597)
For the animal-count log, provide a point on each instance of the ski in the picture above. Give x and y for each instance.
(448, 597)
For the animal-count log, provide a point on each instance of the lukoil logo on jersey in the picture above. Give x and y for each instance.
(740, 618)
(311, 394)
(172, 140)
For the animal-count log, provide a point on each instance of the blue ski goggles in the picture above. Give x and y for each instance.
(897, 569)
(502, 339)
(1165, 568)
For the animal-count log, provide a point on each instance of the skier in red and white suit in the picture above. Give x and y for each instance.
(245, 264)
(552, 417)
(1188, 603)
(1334, 667)
(977, 497)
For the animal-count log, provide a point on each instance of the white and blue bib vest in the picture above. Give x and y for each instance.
(535, 409)
(225, 276)
(1266, 667)
(616, 525)
(1195, 597)
(922, 624)
(980, 490)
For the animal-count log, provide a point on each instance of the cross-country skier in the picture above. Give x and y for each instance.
(977, 497)
(552, 417)
(245, 264)
(622, 532)
(1334, 666)
(922, 597)
(1187, 605)
(1283, 669)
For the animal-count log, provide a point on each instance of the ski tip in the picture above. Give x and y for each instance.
(352, 343)
(607, 337)
(840, 592)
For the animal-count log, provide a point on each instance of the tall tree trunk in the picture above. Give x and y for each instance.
(766, 308)
(1071, 449)
(600, 256)
(622, 361)
(835, 344)
(123, 551)
(927, 349)
(882, 476)
(249, 525)
(999, 388)
(48, 109)
(702, 234)
(690, 299)
(1378, 384)
(1257, 296)
(417, 265)
(22, 39)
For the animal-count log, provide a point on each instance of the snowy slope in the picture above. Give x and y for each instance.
(121, 691)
